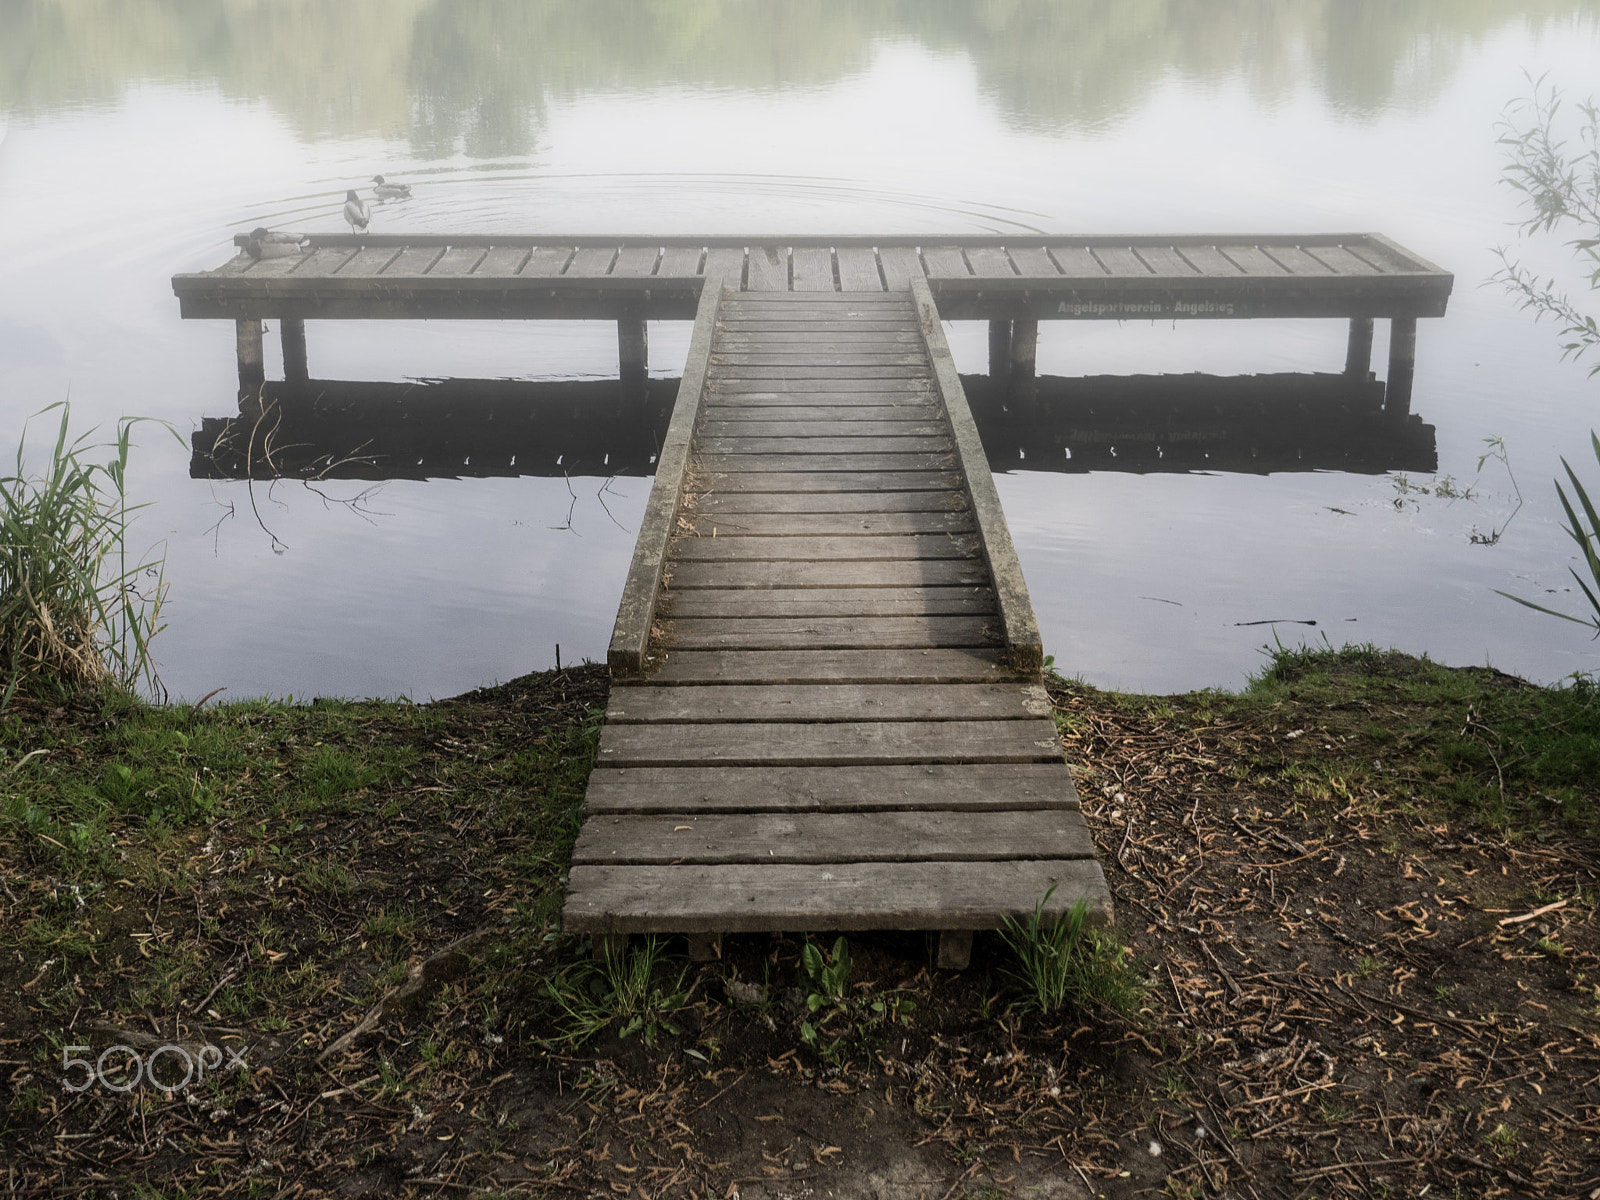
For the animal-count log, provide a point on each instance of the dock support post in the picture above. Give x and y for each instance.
(704, 947)
(955, 949)
(1402, 366)
(632, 348)
(1024, 348)
(1358, 358)
(292, 334)
(252, 363)
(999, 349)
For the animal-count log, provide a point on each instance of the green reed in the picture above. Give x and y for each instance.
(75, 610)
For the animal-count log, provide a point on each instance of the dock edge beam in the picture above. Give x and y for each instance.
(630, 637)
(1020, 627)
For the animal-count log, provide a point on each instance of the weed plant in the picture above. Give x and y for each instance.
(1064, 962)
(617, 987)
(75, 613)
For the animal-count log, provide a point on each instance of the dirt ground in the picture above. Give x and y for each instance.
(1348, 994)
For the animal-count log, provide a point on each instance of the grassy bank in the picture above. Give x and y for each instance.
(1357, 904)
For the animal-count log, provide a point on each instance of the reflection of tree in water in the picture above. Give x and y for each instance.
(472, 75)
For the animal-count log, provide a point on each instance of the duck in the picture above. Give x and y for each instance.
(263, 243)
(355, 212)
(390, 191)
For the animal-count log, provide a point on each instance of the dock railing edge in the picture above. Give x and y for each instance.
(1020, 627)
(636, 613)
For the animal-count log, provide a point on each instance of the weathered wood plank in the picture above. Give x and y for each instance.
(732, 603)
(322, 262)
(832, 339)
(900, 265)
(813, 269)
(855, 503)
(835, 524)
(725, 263)
(870, 547)
(833, 429)
(1339, 260)
(1208, 260)
(1296, 261)
(858, 269)
(954, 572)
(643, 705)
(829, 481)
(502, 262)
(1252, 260)
(774, 420)
(768, 271)
(737, 898)
(808, 391)
(828, 633)
(935, 443)
(989, 262)
(856, 375)
(733, 464)
(798, 357)
(458, 260)
(770, 838)
(1033, 261)
(678, 262)
(1077, 262)
(591, 261)
(1121, 260)
(972, 665)
(636, 262)
(945, 262)
(1165, 260)
(799, 300)
(368, 262)
(942, 787)
(840, 743)
(547, 261)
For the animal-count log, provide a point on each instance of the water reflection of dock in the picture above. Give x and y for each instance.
(451, 428)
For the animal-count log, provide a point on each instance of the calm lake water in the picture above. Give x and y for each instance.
(136, 140)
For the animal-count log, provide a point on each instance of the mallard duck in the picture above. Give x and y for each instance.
(390, 191)
(355, 212)
(263, 243)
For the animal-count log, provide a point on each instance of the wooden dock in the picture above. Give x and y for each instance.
(827, 711)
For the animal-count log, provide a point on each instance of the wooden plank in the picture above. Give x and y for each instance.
(731, 603)
(973, 665)
(679, 262)
(813, 334)
(840, 743)
(770, 838)
(636, 612)
(272, 268)
(829, 481)
(1121, 260)
(714, 429)
(503, 261)
(773, 301)
(836, 524)
(1296, 261)
(778, 420)
(781, 464)
(989, 262)
(768, 270)
(815, 356)
(812, 391)
(949, 788)
(738, 503)
(321, 262)
(645, 704)
(873, 547)
(368, 262)
(1339, 260)
(726, 263)
(589, 262)
(877, 444)
(636, 262)
(1033, 261)
(458, 260)
(1165, 260)
(547, 261)
(414, 260)
(1251, 260)
(858, 269)
(949, 572)
(748, 373)
(828, 633)
(945, 262)
(813, 269)
(1208, 260)
(900, 265)
(1076, 262)
(739, 898)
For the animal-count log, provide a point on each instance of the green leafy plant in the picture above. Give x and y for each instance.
(834, 1016)
(75, 612)
(1062, 962)
(618, 986)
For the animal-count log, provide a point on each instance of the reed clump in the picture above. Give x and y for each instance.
(75, 612)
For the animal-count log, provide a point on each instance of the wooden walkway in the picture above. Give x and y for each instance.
(828, 711)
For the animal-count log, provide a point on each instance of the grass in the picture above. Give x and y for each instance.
(75, 611)
(624, 988)
(1066, 963)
